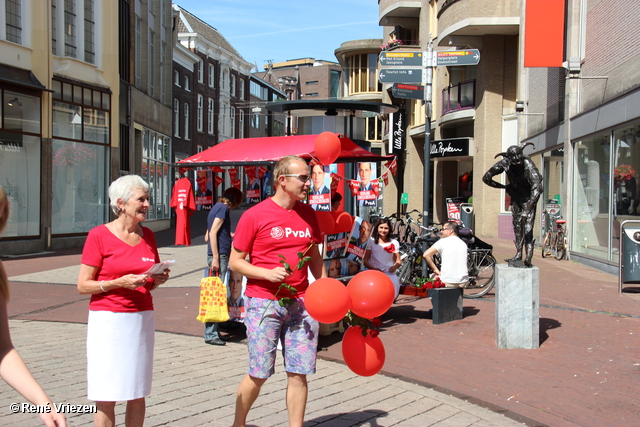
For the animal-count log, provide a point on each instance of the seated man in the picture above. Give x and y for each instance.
(453, 271)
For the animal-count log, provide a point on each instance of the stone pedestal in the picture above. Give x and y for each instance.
(517, 307)
(447, 304)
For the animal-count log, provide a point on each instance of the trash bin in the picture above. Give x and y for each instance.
(629, 267)
(466, 215)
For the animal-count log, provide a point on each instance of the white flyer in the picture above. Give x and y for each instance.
(160, 267)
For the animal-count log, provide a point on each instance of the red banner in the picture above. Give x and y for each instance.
(261, 171)
(236, 183)
(253, 194)
(250, 171)
(233, 174)
(218, 179)
(217, 169)
(385, 178)
(544, 33)
(353, 186)
(393, 166)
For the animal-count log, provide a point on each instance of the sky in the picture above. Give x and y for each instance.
(280, 30)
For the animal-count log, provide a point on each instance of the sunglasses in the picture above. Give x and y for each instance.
(303, 178)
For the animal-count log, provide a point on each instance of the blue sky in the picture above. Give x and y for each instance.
(279, 30)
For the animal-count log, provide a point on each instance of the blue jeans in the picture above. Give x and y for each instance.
(211, 329)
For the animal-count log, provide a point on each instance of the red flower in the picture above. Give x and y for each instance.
(374, 333)
(376, 322)
(391, 249)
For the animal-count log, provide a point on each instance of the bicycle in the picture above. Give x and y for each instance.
(555, 241)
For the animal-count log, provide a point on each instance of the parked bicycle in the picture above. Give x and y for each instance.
(480, 260)
(555, 241)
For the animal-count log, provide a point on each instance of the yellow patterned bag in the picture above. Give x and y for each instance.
(213, 300)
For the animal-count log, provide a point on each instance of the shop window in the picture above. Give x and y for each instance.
(156, 155)
(80, 162)
(20, 161)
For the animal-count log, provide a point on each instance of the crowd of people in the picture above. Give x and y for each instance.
(119, 271)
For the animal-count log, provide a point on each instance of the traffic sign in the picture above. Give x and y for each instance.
(458, 57)
(401, 58)
(401, 90)
(400, 75)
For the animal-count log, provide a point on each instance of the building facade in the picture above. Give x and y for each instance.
(60, 119)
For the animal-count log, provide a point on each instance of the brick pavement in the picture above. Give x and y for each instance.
(583, 373)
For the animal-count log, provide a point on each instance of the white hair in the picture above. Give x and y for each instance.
(122, 190)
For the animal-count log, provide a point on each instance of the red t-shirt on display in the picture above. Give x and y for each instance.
(114, 259)
(183, 202)
(268, 230)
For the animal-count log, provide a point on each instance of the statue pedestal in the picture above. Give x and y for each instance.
(517, 307)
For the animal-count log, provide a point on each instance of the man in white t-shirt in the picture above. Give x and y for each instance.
(453, 271)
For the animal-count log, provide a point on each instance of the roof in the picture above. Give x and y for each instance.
(268, 150)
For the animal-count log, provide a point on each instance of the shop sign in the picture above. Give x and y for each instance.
(454, 147)
(397, 138)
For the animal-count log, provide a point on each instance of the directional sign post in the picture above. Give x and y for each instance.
(401, 90)
(401, 59)
(458, 57)
(400, 75)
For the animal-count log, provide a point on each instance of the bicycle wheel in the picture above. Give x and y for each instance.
(561, 246)
(546, 245)
(482, 267)
(404, 272)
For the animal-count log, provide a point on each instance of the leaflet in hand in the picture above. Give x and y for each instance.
(160, 267)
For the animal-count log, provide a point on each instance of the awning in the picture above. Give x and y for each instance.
(20, 77)
(268, 150)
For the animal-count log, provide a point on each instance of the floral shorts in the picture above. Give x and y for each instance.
(291, 325)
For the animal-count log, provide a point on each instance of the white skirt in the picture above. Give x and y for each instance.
(119, 355)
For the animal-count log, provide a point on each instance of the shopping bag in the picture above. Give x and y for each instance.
(213, 300)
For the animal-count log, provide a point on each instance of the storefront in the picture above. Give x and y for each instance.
(453, 172)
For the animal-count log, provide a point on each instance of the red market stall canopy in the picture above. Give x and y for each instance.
(268, 150)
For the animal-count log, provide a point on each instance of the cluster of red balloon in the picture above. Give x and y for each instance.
(369, 294)
(334, 222)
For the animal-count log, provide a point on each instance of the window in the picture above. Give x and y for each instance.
(80, 165)
(156, 165)
(241, 124)
(176, 117)
(311, 94)
(232, 85)
(152, 65)
(241, 89)
(223, 119)
(163, 72)
(313, 82)
(14, 21)
(70, 28)
(233, 122)
(362, 77)
(255, 120)
(186, 120)
(200, 71)
(176, 78)
(187, 84)
(200, 113)
(20, 151)
(89, 30)
(138, 53)
(212, 76)
(210, 116)
(223, 83)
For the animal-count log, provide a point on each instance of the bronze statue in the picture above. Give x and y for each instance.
(525, 188)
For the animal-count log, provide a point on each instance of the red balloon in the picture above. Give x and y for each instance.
(371, 293)
(327, 300)
(343, 223)
(363, 355)
(327, 147)
(326, 222)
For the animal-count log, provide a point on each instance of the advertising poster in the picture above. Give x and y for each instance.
(252, 184)
(336, 267)
(204, 190)
(358, 242)
(335, 245)
(236, 285)
(367, 194)
(320, 193)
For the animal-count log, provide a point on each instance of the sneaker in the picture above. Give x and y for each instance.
(215, 341)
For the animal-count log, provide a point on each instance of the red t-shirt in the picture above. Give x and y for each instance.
(183, 202)
(114, 259)
(268, 230)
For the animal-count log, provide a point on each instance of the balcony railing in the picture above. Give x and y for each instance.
(460, 96)
(397, 43)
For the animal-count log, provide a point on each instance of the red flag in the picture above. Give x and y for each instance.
(385, 177)
(219, 180)
(544, 33)
(353, 186)
(261, 171)
(236, 183)
(183, 170)
(217, 169)
(250, 171)
(393, 165)
(233, 174)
